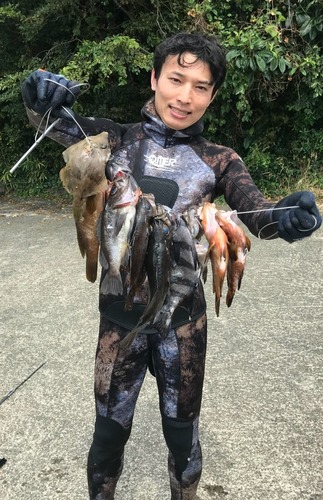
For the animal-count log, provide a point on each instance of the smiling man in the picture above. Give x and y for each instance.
(164, 150)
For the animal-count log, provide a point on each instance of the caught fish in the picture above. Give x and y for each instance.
(217, 251)
(239, 246)
(202, 255)
(114, 229)
(192, 220)
(184, 277)
(158, 264)
(145, 211)
(84, 178)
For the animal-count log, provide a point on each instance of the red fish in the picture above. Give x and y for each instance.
(239, 246)
(217, 251)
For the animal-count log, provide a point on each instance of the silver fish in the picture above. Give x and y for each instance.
(114, 229)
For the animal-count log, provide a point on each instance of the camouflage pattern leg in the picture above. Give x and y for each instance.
(118, 379)
(179, 362)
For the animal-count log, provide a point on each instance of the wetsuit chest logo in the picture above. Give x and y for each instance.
(161, 162)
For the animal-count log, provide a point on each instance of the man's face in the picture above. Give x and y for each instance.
(182, 93)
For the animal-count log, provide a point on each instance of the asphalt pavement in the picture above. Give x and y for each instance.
(262, 416)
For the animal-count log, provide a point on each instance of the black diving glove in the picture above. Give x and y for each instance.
(297, 223)
(43, 90)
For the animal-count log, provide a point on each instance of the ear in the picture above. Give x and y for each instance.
(153, 80)
(213, 97)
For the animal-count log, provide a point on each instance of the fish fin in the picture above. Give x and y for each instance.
(240, 280)
(229, 298)
(111, 284)
(92, 260)
(91, 270)
(217, 307)
(80, 240)
(119, 223)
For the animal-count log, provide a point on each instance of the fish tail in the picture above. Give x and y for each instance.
(112, 284)
(91, 270)
(229, 297)
(217, 305)
(80, 239)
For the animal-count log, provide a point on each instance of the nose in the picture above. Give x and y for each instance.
(185, 94)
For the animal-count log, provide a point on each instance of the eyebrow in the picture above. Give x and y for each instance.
(203, 82)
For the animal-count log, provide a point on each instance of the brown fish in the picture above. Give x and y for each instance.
(217, 251)
(239, 246)
(84, 178)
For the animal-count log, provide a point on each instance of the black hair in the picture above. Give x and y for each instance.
(205, 48)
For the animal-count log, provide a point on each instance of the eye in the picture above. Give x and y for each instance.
(114, 190)
(202, 88)
(175, 80)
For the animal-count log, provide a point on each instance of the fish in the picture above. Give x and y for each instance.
(84, 178)
(158, 265)
(145, 211)
(114, 229)
(239, 245)
(218, 253)
(184, 276)
(192, 220)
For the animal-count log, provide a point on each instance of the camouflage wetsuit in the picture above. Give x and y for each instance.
(203, 171)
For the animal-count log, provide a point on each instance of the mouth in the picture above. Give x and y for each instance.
(179, 112)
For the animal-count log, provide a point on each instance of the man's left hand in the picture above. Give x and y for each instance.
(297, 223)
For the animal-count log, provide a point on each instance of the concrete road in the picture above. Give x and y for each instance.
(262, 417)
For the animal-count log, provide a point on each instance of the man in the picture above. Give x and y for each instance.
(166, 148)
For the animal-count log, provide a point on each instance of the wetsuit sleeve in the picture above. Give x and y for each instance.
(69, 132)
(242, 195)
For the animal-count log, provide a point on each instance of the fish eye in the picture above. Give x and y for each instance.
(114, 190)
(165, 230)
(147, 206)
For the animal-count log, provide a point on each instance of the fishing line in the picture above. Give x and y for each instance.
(48, 128)
(47, 117)
(266, 209)
(87, 85)
(75, 120)
(276, 222)
(264, 227)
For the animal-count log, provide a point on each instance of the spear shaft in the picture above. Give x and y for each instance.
(12, 391)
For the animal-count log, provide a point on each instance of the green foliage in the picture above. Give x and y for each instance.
(270, 108)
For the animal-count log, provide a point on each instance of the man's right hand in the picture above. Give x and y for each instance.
(43, 90)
